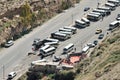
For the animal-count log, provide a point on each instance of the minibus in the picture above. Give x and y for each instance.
(50, 40)
(68, 33)
(93, 17)
(80, 24)
(43, 48)
(54, 44)
(60, 36)
(107, 9)
(85, 20)
(112, 6)
(68, 48)
(72, 28)
(114, 24)
(116, 2)
(100, 11)
(66, 30)
(48, 51)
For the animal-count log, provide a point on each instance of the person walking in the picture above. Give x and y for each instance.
(74, 49)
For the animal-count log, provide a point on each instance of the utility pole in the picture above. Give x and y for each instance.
(72, 18)
(81, 46)
(3, 72)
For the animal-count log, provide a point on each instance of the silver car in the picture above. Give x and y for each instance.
(9, 43)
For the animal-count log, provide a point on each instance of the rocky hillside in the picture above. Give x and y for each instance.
(18, 17)
(104, 62)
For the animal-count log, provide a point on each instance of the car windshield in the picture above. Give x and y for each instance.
(101, 34)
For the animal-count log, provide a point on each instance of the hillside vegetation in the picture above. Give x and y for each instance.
(23, 15)
(104, 62)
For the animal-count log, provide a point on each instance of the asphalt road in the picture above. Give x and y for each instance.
(14, 55)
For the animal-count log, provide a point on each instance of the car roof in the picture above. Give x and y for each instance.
(10, 41)
(101, 34)
(11, 73)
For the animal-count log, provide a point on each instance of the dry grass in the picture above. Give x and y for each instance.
(103, 59)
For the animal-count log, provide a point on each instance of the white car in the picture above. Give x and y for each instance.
(12, 75)
(9, 43)
(90, 44)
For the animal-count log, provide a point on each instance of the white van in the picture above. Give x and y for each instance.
(96, 13)
(112, 6)
(66, 30)
(43, 48)
(80, 24)
(48, 51)
(85, 20)
(68, 33)
(68, 48)
(116, 2)
(93, 17)
(107, 9)
(60, 36)
(114, 24)
(11, 75)
(54, 44)
(72, 28)
(85, 49)
(103, 12)
(50, 40)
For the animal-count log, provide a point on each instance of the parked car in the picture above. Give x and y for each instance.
(56, 58)
(118, 18)
(101, 36)
(98, 31)
(11, 75)
(9, 43)
(95, 42)
(36, 40)
(90, 45)
(118, 15)
(86, 8)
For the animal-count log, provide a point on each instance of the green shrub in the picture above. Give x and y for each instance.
(111, 40)
(65, 75)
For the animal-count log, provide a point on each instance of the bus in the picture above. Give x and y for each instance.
(93, 17)
(43, 48)
(48, 51)
(54, 44)
(80, 24)
(112, 6)
(114, 24)
(72, 28)
(66, 30)
(60, 36)
(85, 20)
(68, 33)
(116, 2)
(68, 48)
(107, 9)
(100, 11)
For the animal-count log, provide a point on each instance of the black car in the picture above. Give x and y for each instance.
(86, 8)
(95, 42)
(101, 36)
